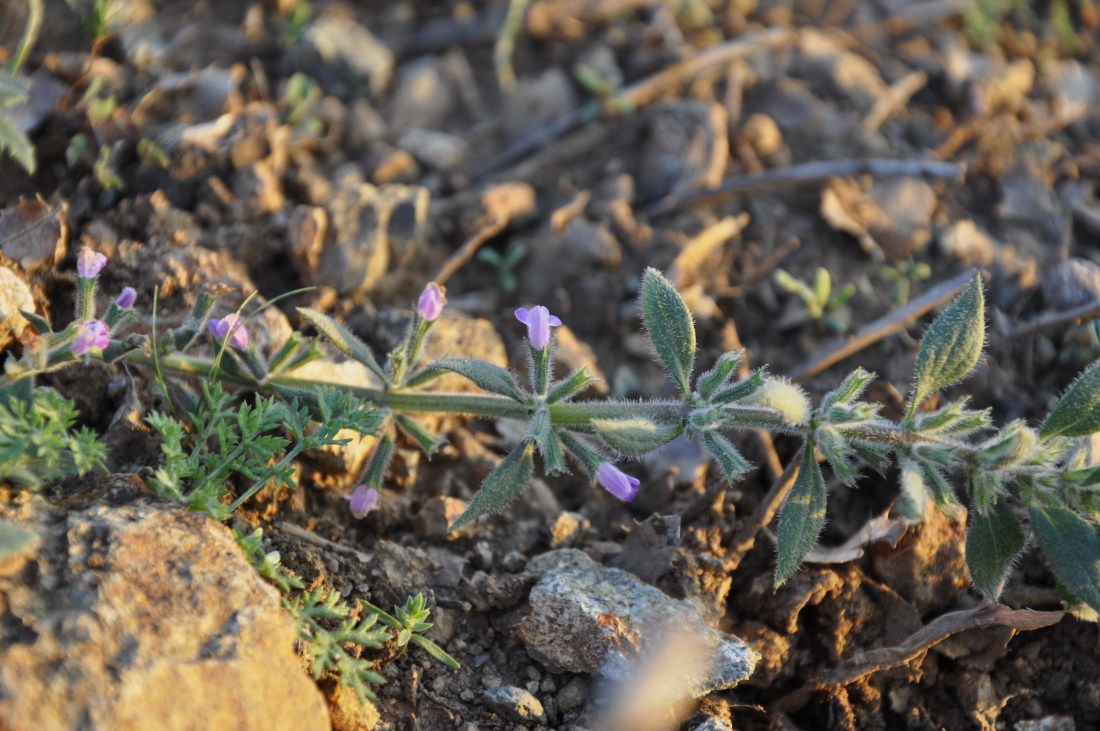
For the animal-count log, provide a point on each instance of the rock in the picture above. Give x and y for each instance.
(350, 245)
(714, 724)
(129, 610)
(423, 98)
(968, 243)
(827, 64)
(342, 41)
(1072, 283)
(685, 146)
(555, 258)
(650, 547)
(567, 529)
(538, 101)
(891, 220)
(33, 234)
(15, 295)
(515, 703)
(437, 150)
(591, 619)
(434, 519)
(1046, 723)
(572, 695)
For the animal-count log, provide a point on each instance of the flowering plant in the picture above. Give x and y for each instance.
(1014, 478)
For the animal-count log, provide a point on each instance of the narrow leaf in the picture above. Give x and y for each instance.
(802, 518)
(343, 340)
(835, 449)
(993, 542)
(40, 324)
(419, 433)
(502, 486)
(436, 651)
(1077, 413)
(568, 387)
(668, 322)
(849, 389)
(952, 345)
(729, 460)
(634, 437)
(741, 389)
(484, 375)
(719, 373)
(1072, 547)
(17, 144)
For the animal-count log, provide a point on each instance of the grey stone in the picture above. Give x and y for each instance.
(591, 619)
(714, 724)
(1047, 723)
(1072, 283)
(423, 98)
(342, 40)
(146, 605)
(515, 703)
(572, 695)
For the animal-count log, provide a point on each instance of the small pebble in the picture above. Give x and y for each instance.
(572, 695)
(515, 703)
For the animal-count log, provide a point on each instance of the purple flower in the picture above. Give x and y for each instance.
(362, 500)
(126, 298)
(617, 482)
(431, 302)
(90, 263)
(231, 326)
(538, 321)
(93, 335)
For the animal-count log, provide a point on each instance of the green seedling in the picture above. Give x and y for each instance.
(903, 275)
(505, 264)
(821, 302)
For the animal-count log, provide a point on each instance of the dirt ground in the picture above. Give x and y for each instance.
(294, 152)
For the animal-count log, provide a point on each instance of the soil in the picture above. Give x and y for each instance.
(250, 167)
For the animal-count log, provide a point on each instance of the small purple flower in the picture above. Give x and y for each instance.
(362, 500)
(90, 263)
(93, 335)
(126, 298)
(231, 326)
(617, 482)
(538, 321)
(431, 302)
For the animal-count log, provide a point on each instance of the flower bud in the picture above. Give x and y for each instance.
(126, 298)
(230, 326)
(617, 482)
(431, 302)
(90, 263)
(362, 500)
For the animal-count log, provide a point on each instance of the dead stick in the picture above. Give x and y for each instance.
(1055, 320)
(894, 100)
(810, 173)
(638, 94)
(468, 249)
(880, 328)
(745, 538)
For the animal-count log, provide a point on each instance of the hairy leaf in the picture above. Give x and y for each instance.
(502, 486)
(343, 340)
(1072, 546)
(802, 518)
(17, 144)
(634, 437)
(993, 542)
(732, 464)
(570, 386)
(419, 433)
(952, 345)
(668, 322)
(720, 372)
(484, 375)
(1077, 413)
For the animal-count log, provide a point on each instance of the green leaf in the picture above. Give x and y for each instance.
(419, 433)
(343, 340)
(634, 437)
(802, 518)
(15, 539)
(741, 389)
(17, 144)
(952, 345)
(40, 324)
(719, 373)
(1072, 547)
(668, 322)
(1077, 413)
(732, 464)
(851, 388)
(502, 486)
(836, 450)
(572, 385)
(484, 375)
(436, 651)
(993, 542)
